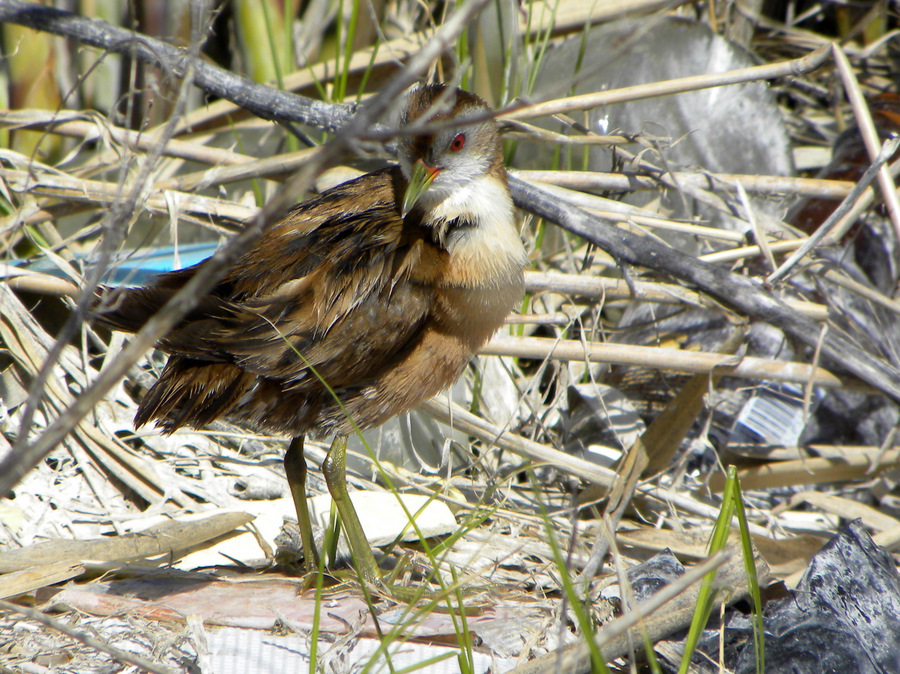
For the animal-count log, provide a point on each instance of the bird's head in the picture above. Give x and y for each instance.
(460, 147)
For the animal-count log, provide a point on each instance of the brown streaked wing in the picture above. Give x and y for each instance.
(343, 227)
(341, 280)
(344, 348)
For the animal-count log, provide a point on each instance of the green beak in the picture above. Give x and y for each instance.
(421, 178)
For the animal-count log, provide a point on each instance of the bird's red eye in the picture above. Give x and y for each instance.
(458, 143)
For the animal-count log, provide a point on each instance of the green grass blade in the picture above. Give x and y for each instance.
(706, 597)
(750, 569)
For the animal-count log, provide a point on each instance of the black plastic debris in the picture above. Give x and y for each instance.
(844, 616)
(648, 577)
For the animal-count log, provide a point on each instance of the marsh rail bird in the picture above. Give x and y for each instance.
(354, 307)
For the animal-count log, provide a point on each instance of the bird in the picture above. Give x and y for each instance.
(355, 306)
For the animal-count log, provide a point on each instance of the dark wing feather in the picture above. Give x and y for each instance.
(127, 309)
(192, 392)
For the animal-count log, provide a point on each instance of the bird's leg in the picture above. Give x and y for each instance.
(295, 469)
(335, 469)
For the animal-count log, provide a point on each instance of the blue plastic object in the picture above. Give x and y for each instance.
(140, 266)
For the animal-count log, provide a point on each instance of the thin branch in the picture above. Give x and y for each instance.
(887, 151)
(638, 92)
(263, 101)
(717, 182)
(667, 359)
(868, 132)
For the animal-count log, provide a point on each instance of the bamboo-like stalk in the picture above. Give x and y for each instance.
(674, 360)
(794, 67)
